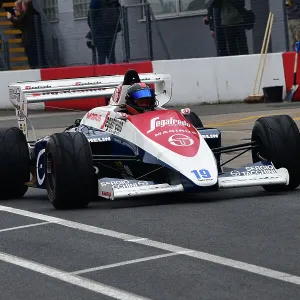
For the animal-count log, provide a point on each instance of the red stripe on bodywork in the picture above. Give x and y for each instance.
(106, 117)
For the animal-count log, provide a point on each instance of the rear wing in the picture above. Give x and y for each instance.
(23, 93)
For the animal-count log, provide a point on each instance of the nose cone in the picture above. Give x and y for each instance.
(174, 141)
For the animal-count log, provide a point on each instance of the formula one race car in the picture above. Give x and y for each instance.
(112, 154)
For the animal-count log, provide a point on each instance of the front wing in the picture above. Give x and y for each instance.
(258, 174)
(111, 188)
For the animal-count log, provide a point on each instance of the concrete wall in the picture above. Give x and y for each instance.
(224, 79)
(195, 81)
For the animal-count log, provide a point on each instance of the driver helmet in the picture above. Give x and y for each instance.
(140, 98)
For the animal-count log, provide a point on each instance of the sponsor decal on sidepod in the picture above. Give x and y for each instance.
(96, 140)
(113, 125)
(210, 136)
(93, 117)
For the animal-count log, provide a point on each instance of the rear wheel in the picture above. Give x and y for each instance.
(194, 120)
(70, 173)
(14, 163)
(279, 142)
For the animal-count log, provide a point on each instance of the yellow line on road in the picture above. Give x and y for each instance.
(236, 124)
(240, 121)
(236, 120)
(227, 125)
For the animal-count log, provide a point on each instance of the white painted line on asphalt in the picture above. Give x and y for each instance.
(163, 246)
(136, 240)
(128, 262)
(69, 278)
(24, 226)
(70, 224)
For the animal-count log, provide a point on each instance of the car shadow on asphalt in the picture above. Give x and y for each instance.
(182, 199)
(171, 199)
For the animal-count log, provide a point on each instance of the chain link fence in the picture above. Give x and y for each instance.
(148, 30)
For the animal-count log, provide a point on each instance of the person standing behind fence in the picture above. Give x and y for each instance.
(104, 17)
(293, 13)
(29, 22)
(213, 20)
(233, 22)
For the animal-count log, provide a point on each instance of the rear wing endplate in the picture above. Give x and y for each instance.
(23, 93)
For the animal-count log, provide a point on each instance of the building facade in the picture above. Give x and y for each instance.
(178, 31)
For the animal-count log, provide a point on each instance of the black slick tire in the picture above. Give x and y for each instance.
(69, 170)
(14, 163)
(279, 142)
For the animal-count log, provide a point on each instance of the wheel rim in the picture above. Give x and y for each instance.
(51, 172)
(259, 150)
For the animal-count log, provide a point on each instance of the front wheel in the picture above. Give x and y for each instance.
(279, 142)
(69, 170)
(14, 163)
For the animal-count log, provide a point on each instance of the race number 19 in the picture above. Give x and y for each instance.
(203, 173)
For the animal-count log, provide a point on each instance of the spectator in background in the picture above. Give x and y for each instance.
(104, 18)
(29, 22)
(232, 13)
(293, 13)
(89, 41)
(8, 9)
(214, 21)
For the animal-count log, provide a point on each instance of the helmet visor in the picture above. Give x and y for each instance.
(142, 94)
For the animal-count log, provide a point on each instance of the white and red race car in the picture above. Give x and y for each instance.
(111, 154)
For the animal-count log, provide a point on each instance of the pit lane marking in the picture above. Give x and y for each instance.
(128, 262)
(258, 270)
(24, 226)
(70, 278)
(136, 240)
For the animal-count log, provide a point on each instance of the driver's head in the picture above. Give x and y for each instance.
(140, 98)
